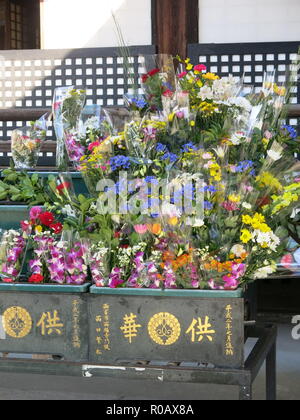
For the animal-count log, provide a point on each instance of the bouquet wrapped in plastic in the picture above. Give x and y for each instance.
(26, 144)
(12, 252)
(68, 103)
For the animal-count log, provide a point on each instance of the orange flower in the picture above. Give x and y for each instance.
(155, 228)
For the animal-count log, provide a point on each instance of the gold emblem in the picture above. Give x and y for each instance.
(17, 322)
(164, 329)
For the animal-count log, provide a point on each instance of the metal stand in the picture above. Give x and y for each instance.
(264, 350)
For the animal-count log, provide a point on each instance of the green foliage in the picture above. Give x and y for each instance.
(22, 187)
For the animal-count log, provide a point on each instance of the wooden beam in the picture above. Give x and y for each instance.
(22, 114)
(47, 146)
(175, 24)
(32, 114)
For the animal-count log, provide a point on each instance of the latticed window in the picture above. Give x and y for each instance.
(19, 24)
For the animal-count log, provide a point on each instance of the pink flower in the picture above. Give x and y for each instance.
(200, 68)
(287, 261)
(180, 114)
(268, 135)
(247, 188)
(93, 145)
(56, 106)
(26, 226)
(230, 206)
(231, 283)
(35, 212)
(141, 229)
(182, 75)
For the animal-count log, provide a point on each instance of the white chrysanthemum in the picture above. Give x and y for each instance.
(246, 205)
(264, 272)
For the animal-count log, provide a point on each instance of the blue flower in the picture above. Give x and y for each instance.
(139, 102)
(209, 188)
(171, 156)
(117, 162)
(208, 205)
(151, 180)
(291, 131)
(244, 166)
(186, 148)
(161, 148)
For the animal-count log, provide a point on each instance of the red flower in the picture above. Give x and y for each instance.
(7, 280)
(46, 218)
(117, 234)
(145, 78)
(56, 227)
(263, 201)
(36, 279)
(63, 186)
(153, 72)
(200, 68)
(168, 93)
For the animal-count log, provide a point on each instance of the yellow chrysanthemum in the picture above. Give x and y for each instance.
(210, 76)
(246, 236)
(266, 179)
(234, 198)
(247, 220)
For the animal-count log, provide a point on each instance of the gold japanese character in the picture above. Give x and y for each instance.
(197, 328)
(50, 323)
(130, 327)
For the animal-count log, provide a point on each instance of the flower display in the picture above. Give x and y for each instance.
(199, 190)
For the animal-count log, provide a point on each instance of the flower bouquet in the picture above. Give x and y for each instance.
(12, 252)
(68, 103)
(26, 144)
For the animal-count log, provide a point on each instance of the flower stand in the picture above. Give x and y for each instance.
(44, 319)
(176, 325)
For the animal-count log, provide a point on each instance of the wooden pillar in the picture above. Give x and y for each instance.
(175, 24)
